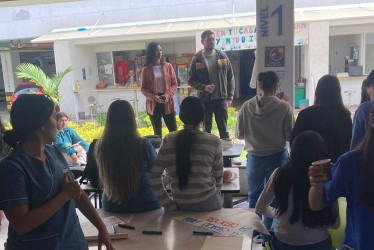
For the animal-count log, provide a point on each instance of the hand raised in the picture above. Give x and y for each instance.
(70, 188)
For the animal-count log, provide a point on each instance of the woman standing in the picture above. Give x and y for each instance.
(265, 123)
(38, 198)
(158, 85)
(193, 160)
(352, 178)
(124, 160)
(328, 117)
(72, 146)
(298, 226)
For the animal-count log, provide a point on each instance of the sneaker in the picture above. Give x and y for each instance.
(257, 239)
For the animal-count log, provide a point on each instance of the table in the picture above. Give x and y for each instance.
(228, 154)
(176, 235)
(230, 188)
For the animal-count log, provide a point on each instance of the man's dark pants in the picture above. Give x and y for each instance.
(219, 109)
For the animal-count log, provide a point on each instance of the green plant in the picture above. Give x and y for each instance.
(101, 119)
(35, 74)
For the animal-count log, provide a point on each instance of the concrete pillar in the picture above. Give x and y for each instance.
(9, 62)
(64, 51)
(317, 58)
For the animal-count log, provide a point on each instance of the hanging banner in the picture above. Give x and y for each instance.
(246, 37)
(275, 43)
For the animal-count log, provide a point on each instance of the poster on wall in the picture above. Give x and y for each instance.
(246, 37)
(274, 56)
(236, 38)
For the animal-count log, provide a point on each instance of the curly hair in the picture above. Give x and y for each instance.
(151, 54)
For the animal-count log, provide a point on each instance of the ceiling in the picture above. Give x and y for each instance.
(13, 3)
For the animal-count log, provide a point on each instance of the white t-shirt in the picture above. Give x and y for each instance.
(159, 78)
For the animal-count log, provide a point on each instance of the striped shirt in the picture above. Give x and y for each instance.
(205, 172)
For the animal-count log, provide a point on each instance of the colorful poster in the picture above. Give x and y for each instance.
(246, 37)
(218, 225)
(236, 38)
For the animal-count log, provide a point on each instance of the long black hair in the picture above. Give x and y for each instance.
(191, 114)
(307, 147)
(328, 94)
(151, 54)
(366, 149)
(118, 153)
(29, 113)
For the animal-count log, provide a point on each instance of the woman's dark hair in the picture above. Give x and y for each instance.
(364, 94)
(29, 113)
(268, 81)
(370, 79)
(151, 54)
(366, 149)
(307, 147)
(118, 153)
(191, 114)
(59, 115)
(328, 94)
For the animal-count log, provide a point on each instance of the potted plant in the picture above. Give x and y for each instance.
(35, 74)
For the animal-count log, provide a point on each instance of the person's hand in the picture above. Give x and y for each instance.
(228, 102)
(165, 98)
(316, 176)
(104, 238)
(209, 88)
(158, 99)
(71, 189)
(74, 158)
(2, 215)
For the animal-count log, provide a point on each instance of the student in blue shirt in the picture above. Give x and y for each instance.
(352, 177)
(36, 188)
(361, 119)
(124, 160)
(66, 138)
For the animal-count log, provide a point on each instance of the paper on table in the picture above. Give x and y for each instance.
(223, 243)
(90, 230)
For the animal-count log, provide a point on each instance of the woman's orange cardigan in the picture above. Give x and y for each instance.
(149, 87)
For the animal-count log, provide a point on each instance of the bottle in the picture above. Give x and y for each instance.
(77, 85)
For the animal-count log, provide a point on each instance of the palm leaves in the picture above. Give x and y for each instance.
(35, 74)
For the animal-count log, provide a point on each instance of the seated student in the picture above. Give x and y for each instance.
(298, 226)
(193, 160)
(352, 178)
(72, 146)
(124, 160)
(36, 191)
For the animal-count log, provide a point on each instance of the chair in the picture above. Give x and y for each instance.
(94, 105)
(337, 235)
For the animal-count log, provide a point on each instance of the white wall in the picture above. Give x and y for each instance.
(9, 62)
(178, 48)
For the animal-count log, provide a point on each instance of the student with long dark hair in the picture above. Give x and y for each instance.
(124, 160)
(328, 117)
(158, 85)
(265, 123)
(298, 226)
(37, 192)
(193, 160)
(352, 178)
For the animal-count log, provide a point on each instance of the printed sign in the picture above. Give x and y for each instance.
(218, 225)
(274, 56)
(246, 37)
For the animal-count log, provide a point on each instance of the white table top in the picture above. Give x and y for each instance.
(176, 235)
(234, 186)
(234, 151)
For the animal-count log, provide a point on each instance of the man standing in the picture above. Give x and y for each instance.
(212, 76)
